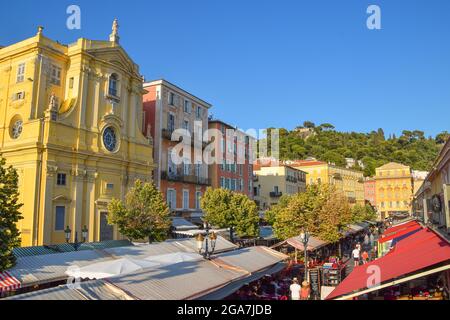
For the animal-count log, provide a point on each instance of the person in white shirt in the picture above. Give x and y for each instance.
(355, 254)
(295, 289)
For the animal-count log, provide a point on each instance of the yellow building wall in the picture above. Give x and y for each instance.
(71, 143)
(350, 182)
(270, 177)
(394, 189)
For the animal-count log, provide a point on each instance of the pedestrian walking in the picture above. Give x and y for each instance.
(305, 291)
(366, 240)
(355, 255)
(295, 289)
(365, 257)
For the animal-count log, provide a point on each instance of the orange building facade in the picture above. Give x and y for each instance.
(166, 109)
(235, 171)
(370, 194)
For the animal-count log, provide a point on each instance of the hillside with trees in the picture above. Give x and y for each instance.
(374, 149)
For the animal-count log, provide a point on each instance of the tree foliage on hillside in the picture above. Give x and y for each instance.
(325, 143)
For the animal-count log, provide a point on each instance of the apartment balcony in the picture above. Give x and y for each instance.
(180, 177)
(276, 194)
(291, 179)
(167, 134)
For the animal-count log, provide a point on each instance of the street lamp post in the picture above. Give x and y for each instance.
(209, 236)
(76, 245)
(304, 236)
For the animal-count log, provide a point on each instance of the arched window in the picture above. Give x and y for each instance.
(113, 85)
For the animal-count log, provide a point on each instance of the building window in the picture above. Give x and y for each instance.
(172, 98)
(171, 122)
(198, 112)
(197, 169)
(185, 199)
(60, 217)
(113, 81)
(61, 179)
(20, 73)
(233, 184)
(110, 139)
(186, 125)
(110, 186)
(198, 196)
(55, 75)
(222, 182)
(17, 128)
(187, 106)
(171, 198)
(227, 183)
(186, 169)
(71, 80)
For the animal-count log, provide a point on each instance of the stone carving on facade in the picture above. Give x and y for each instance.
(52, 110)
(79, 174)
(51, 170)
(91, 176)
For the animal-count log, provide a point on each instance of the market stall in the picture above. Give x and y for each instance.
(420, 255)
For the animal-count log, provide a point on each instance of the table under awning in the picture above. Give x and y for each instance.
(419, 255)
(8, 282)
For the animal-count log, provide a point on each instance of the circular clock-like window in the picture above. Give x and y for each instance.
(17, 128)
(110, 139)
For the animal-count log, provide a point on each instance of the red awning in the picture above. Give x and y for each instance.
(8, 282)
(400, 233)
(399, 227)
(415, 253)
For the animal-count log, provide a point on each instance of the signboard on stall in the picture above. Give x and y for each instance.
(314, 278)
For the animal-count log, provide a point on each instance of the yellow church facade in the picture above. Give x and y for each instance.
(71, 124)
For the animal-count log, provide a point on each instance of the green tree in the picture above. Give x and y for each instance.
(226, 209)
(321, 209)
(442, 137)
(363, 213)
(9, 215)
(411, 148)
(309, 124)
(143, 215)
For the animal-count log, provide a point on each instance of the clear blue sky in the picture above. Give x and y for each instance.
(277, 63)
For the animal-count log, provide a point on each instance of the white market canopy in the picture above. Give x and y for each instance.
(111, 268)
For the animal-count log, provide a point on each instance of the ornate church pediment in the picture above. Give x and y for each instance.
(117, 57)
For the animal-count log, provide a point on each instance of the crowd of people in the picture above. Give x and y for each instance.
(286, 284)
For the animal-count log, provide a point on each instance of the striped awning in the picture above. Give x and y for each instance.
(8, 282)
